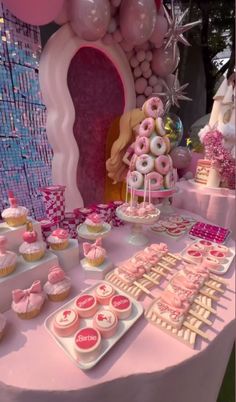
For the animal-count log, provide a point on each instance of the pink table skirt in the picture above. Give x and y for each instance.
(147, 365)
(216, 205)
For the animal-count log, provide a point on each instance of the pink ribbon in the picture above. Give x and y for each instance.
(87, 246)
(19, 295)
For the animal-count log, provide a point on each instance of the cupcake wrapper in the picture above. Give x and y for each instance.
(59, 246)
(94, 229)
(96, 262)
(60, 296)
(19, 221)
(7, 270)
(29, 314)
(33, 256)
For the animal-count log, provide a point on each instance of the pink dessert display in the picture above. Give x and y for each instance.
(175, 231)
(104, 293)
(143, 210)
(194, 255)
(121, 306)
(219, 255)
(87, 344)
(15, 215)
(58, 284)
(7, 258)
(205, 245)
(66, 322)
(27, 303)
(94, 223)
(86, 305)
(3, 322)
(58, 239)
(94, 253)
(31, 249)
(106, 322)
(211, 263)
(206, 231)
(173, 226)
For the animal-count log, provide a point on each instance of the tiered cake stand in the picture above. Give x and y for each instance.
(137, 236)
(164, 195)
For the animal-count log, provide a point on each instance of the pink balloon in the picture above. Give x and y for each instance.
(170, 80)
(163, 63)
(34, 12)
(181, 157)
(63, 16)
(90, 19)
(148, 73)
(140, 85)
(137, 20)
(159, 32)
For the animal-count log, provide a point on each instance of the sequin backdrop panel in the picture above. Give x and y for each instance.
(98, 96)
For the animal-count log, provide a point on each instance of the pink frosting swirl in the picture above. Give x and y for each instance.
(56, 274)
(60, 233)
(95, 218)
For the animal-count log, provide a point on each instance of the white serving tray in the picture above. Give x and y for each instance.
(225, 265)
(66, 343)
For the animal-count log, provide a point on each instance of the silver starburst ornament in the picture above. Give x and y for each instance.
(173, 92)
(176, 27)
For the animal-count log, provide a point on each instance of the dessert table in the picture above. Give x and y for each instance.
(215, 204)
(146, 365)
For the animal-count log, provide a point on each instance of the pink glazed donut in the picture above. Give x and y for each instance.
(162, 164)
(160, 127)
(141, 145)
(155, 180)
(153, 107)
(169, 179)
(158, 146)
(135, 179)
(144, 164)
(147, 127)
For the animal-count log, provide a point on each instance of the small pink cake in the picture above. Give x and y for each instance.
(219, 255)
(121, 305)
(106, 322)
(66, 322)
(31, 249)
(7, 258)
(221, 248)
(86, 305)
(194, 255)
(58, 239)
(205, 245)
(27, 303)
(104, 293)
(94, 253)
(211, 263)
(94, 223)
(175, 232)
(58, 285)
(87, 343)
(15, 215)
(3, 322)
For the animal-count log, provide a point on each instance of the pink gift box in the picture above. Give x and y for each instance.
(54, 202)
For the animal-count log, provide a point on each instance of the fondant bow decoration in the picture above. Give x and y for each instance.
(56, 274)
(87, 246)
(19, 295)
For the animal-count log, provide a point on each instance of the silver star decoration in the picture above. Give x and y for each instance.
(176, 28)
(173, 94)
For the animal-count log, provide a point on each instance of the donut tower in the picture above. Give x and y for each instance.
(151, 167)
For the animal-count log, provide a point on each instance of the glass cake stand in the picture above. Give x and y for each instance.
(159, 198)
(137, 236)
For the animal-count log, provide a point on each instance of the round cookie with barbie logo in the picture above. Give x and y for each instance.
(121, 305)
(87, 344)
(66, 322)
(106, 322)
(104, 293)
(86, 305)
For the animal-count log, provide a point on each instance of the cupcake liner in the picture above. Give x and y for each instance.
(33, 256)
(60, 296)
(59, 246)
(96, 262)
(16, 221)
(7, 270)
(94, 229)
(29, 314)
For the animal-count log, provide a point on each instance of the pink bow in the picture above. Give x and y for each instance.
(19, 294)
(56, 274)
(87, 246)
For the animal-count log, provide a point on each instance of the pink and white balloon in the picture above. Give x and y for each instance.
(181, 157)
(159, 32)
(137, 20)
(164, 62)
(90, 19)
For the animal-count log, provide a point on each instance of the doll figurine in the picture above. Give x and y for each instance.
(123, 148)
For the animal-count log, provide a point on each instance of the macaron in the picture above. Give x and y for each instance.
(66, 322)
(86, 305)
(121, 306)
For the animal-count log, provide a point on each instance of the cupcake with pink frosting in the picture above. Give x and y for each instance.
(15, 215)
(58, 284)
(32, 249)
(58, 239)
(7, 258)
(27, 303)
(3, 322)
(94, 223)
(94, 253)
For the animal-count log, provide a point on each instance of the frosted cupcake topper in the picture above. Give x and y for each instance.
(87, 247)
(30, 236)
(27, 295)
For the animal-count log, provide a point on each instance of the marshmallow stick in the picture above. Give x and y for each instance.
(151, 279)
(203, 292)
(145, 290)
(149, 191)
(169, 262)
(208, 308)
(164, 266)
(145, 189)
(209, 285)
(126, 193)
(196, 330)
(159, 272)
(217, 279)
(200, 317)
